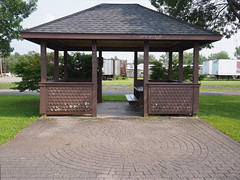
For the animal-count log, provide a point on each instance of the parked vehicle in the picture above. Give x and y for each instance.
(222, 68)
(111, 68)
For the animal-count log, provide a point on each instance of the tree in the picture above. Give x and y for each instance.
(222, 16)
(152, 58)
(187, 58)
(9, 62)
(158, 71)
(237, 52)
(220, 55)
(115, 58)
(12, 13)
(80, 66)
(29, 68)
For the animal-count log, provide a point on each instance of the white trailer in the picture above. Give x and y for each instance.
(222, 68)
(207, 67)
(114, 67)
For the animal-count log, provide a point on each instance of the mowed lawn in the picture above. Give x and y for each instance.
(223, 112)
(16, 113)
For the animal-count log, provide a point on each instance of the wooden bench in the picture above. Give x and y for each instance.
(131, 98)
(139, 89)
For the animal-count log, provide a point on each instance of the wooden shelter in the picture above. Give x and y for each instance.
(119, 27)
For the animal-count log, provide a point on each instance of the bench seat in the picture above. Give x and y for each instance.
(131, 98)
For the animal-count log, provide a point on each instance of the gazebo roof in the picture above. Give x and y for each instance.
(118, 22)
(119, 19)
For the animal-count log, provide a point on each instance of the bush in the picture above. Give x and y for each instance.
(160, 73)
(79, 66)
(29, 68)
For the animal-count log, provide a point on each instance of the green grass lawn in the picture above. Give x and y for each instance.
(118, 83)
(221, 83)
(223, 113)
(16, 113)
(114, 98)
(6, 85)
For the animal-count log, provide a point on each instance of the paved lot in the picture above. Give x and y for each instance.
(127, 148)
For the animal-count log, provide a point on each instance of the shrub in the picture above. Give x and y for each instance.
(29, 68)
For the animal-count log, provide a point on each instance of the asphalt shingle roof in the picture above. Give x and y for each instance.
(119, 19)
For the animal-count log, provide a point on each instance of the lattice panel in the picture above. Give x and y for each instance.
(170, 100)
(69, 99)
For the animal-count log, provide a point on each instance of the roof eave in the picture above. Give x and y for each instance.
(95, 36)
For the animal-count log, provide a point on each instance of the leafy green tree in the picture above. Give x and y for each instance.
(158, 71)
(10, 62)
(152, 58)
(80, 66)
(187, 58)
(29, 68)
(114, 58)
(12, 13)
(220, 16)
(237, 52)
(220, 55)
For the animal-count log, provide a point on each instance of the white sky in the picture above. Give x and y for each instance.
(48, 10)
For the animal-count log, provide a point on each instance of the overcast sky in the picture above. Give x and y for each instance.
(48, 10)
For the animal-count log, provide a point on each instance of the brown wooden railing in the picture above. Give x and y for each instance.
(66, 98)
(173, 98)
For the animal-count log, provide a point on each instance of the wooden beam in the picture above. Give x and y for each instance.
(170, 66)
(43, 62)
(195, 62)
(95, 36)
(65, 65)
(56, 65)
(135, 67)
(180, 66)
(94, 77)
(145, 80)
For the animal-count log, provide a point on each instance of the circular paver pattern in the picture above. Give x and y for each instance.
(105, 149)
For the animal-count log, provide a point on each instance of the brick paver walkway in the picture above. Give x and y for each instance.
(94, 148)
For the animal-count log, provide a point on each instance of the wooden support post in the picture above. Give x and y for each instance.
(43, 90)
(170, 66)
(195, 62)
(100, 65)
(135, 67)
(43, 62)
(56, 65)
(94, 77)
(180, 67)
(65, 65)
(145, 80)
(195, 78)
